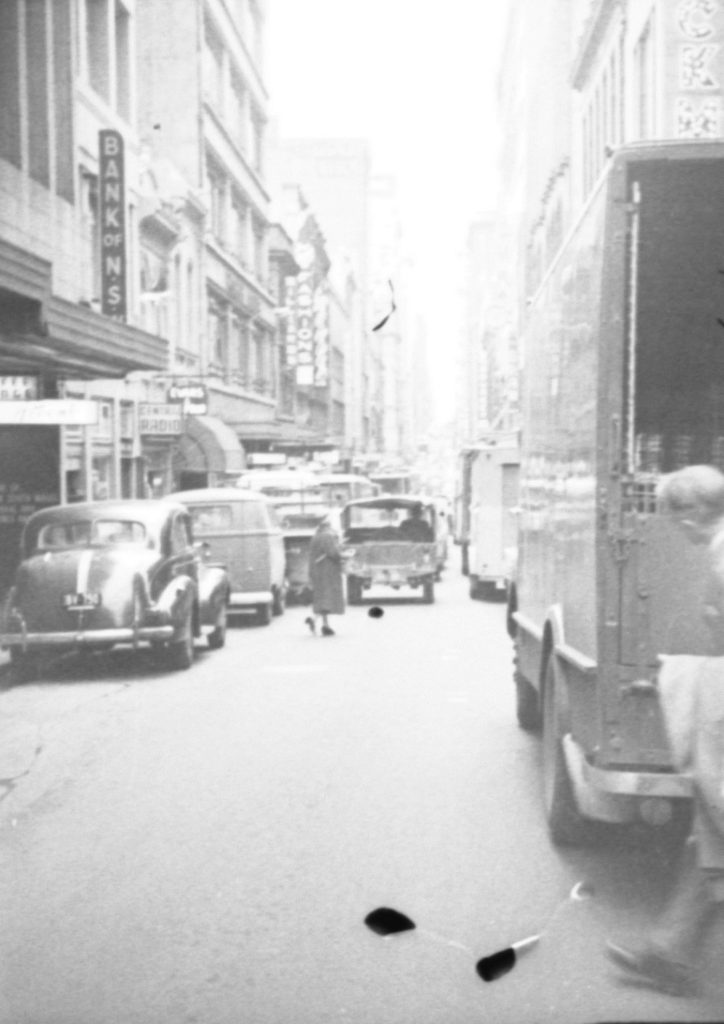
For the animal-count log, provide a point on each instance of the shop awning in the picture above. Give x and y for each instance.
(210, 446)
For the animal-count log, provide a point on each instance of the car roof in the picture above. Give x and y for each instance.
(217, 494)
(300, 478)
(344, 478)
(152, 511)
(390, 500)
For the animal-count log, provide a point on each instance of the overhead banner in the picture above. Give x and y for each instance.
(112, 207)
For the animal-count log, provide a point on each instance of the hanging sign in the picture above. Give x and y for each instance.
(111, 209)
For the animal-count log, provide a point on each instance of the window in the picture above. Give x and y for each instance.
(239, 228)
(645, 78)
(97, 49)
(213, 68)
(217, 196)
(240, 343)
(208, 519)
(10, 84)
(123, 62)
(37, 93)
(218, 341)
(237, 109)
(259, 256)
(127, 419)
(257, 140)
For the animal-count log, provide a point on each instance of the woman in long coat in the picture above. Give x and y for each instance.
(326, 576)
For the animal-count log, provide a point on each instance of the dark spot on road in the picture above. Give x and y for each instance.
(376, 612)
(490, 968)
(385, 921)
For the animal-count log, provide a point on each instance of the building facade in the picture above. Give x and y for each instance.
(204, 107)
(68, 315)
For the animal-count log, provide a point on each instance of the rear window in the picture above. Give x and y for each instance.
(210, 518)
(375, 518)
(241, 516)
(86, 533)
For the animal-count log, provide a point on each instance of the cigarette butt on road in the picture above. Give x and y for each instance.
(525, 944)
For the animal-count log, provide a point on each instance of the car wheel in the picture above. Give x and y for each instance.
(217, 637)
(179, 654)
(566, 825)
(354, 590)
(428, 591)
(264, 614)
(280, 601)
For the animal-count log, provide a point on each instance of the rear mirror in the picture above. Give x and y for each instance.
(203, 548)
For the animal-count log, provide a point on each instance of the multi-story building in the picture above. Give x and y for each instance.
(203, 105)
(67, 315)
(334, 175)
(314, 311)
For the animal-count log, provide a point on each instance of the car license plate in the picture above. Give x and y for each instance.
(81, 601)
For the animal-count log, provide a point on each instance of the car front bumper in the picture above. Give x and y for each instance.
(87, 637)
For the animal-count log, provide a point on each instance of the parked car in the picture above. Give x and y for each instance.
(103, 573)
(391, 540)
(242, 531)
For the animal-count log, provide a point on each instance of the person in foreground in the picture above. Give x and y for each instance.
(693, 498)
(326, 577)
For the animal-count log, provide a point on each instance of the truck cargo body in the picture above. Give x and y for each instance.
(623, 381)
(494, 484)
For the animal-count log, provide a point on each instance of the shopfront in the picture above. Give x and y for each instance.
(209, 454)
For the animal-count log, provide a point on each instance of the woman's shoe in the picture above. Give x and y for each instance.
(312, 625)
(654, 969)
(327, 631)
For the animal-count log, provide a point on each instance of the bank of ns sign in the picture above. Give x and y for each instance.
(112, 206)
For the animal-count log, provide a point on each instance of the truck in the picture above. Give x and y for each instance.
(623, 381)
(461, 507)
(494, 468)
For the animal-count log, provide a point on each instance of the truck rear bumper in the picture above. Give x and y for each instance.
(610, 795)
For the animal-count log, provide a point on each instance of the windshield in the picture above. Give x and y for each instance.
(85, 533)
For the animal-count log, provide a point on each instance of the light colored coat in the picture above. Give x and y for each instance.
(326, 562)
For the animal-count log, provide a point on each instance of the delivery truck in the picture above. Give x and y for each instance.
(623, 381)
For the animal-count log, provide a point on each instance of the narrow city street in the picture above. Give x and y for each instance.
(205, 846)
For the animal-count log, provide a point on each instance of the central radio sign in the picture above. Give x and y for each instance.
(112, 215)
(160, 419)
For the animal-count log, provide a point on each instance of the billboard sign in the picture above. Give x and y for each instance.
(112, 229)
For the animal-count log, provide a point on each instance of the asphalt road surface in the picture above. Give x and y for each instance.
(203, 847)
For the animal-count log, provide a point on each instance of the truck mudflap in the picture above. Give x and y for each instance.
(612, 795)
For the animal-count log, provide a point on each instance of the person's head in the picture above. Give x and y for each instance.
(416, 512)
(693, 498)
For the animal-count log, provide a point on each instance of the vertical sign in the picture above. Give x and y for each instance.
(290, 321)
(112, 205)
(321, 338)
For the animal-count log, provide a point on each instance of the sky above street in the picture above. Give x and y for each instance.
(417, 79)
